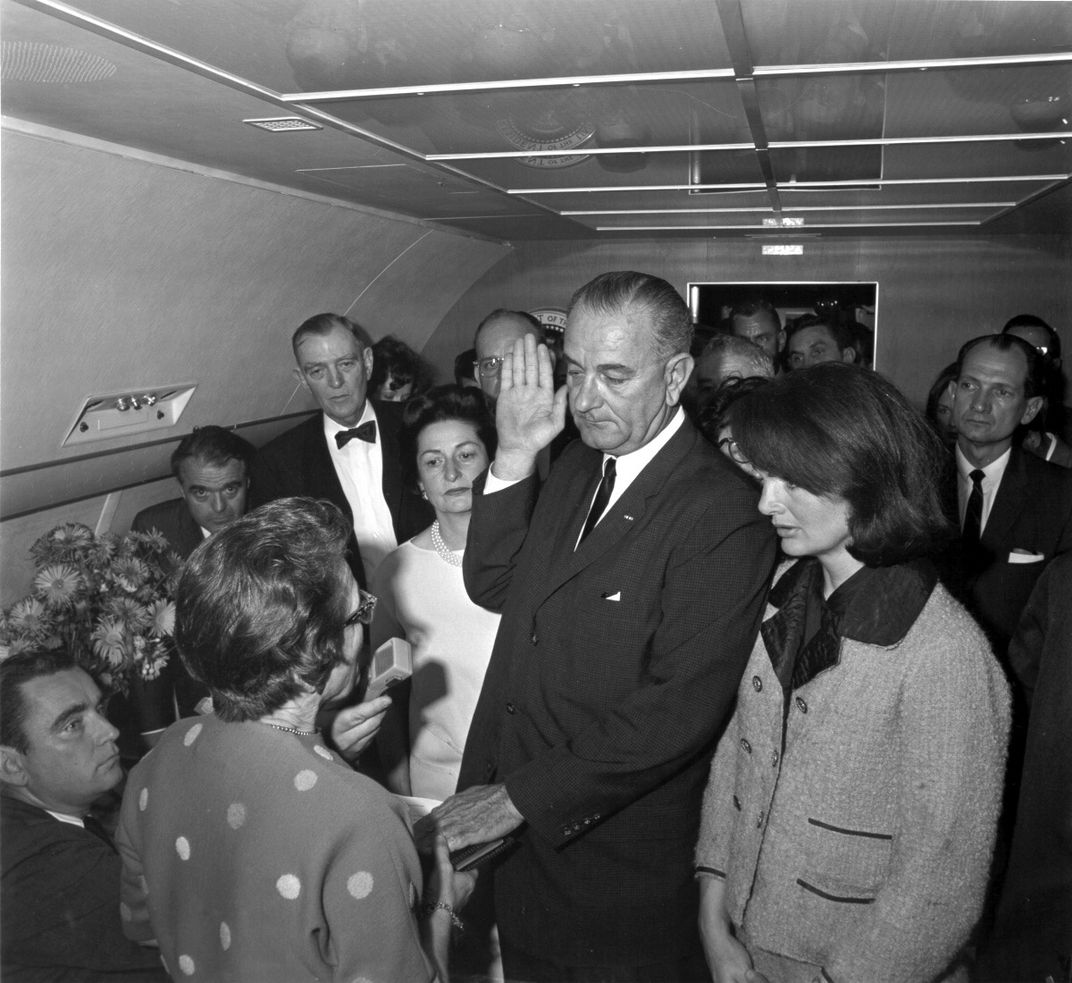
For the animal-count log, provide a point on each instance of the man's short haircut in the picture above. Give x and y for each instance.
(1031, 321)
(1035, 380)
(261, 606)
(14, 672)
(640, 296)
(723, 345)
(844, 431)
(756, 305)
(841, 333)
(322, 324)
(212, 445)
(437, 405)
(533, 321)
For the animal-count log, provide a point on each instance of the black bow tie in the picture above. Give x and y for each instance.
(366, 432)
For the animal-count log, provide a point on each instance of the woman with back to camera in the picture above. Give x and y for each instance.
(251, 852)
(447, 441)
(849, 818)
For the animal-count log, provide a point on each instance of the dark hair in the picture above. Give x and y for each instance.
(716, 407)
(1034, 381)
(938, 388)
(435, 406)
(753, 306)
(393, 357)
(841, 333)
(14, 672)
(213, 445)
(1031, 321)
(531, 319)
(261, 606)
(322, 324)
(843, 431)
(463, 366)
(642, 295)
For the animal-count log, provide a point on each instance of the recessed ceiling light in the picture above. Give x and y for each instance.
(282, 124)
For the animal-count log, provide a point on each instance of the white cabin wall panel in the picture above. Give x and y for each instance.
(122, 272)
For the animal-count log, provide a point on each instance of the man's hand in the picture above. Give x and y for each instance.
(529, 414)
(353, 728)
(477, 815)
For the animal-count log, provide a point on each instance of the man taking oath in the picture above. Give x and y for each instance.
(631, 587)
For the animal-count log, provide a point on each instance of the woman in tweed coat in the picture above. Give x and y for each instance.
(850, 814)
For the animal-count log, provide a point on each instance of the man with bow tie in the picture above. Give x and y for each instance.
(348, 453)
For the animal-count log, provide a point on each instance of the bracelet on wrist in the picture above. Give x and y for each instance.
(427, 910)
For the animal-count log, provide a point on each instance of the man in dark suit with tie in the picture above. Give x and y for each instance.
(631, 587)
(1014, 509)
(348, 453)
(59, 910)
(211, 466)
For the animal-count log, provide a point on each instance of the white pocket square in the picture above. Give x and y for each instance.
(1015, 557)
(616, 596)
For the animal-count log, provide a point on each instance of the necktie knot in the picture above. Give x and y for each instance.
(977, 477)
(366, 432)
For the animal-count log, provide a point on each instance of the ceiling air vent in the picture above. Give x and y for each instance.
(32, 61)
(282, 124)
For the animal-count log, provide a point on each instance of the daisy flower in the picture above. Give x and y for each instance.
(109, 640)
(30, 618)
(163, 617)
(57, 584)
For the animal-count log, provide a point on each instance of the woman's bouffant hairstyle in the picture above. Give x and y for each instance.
(391, 357)
(843, 431)
(261, 606)
(449, 402)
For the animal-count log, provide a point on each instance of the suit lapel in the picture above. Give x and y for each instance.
(620, 518)
(1008, 503)
(319, 470)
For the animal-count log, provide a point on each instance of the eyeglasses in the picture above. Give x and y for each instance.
(363, 614)
(729, 447)
(488, 366)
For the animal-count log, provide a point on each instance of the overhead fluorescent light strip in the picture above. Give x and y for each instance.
(913, 64)
(556, 82)
(791, 208)
(774, 145)
(784, 233)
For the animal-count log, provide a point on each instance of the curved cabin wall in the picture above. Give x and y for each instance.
(934, 293)
(124, 271)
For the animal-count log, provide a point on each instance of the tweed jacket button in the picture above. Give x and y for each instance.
(759, 822)
(533, 639)
(774, 759)
(802, 706)
(510, 708)
(757, 684)
(745, 746)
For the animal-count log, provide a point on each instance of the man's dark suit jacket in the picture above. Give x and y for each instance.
(298, 462)
(613, 672)
(1032, 511)
(156, 704)
(174, 521)
(60, 904)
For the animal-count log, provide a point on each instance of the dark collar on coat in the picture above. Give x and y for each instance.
(876, 606)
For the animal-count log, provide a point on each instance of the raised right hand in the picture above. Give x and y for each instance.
(529, 414)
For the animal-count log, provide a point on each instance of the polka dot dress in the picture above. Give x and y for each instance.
(254, 854)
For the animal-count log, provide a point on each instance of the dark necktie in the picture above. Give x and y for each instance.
(973, 514)
(366, 432)
(93, 826)
(599, 503)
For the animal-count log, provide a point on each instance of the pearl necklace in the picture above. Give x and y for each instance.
(446, 554)
(290, 730)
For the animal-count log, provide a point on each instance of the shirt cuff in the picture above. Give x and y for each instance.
(493, 484)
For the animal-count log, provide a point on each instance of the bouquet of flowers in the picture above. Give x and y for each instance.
(108, 599)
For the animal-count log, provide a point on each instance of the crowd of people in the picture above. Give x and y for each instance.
(751, 671)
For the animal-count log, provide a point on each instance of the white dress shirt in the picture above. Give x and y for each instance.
(992, 475)
(359, 466)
